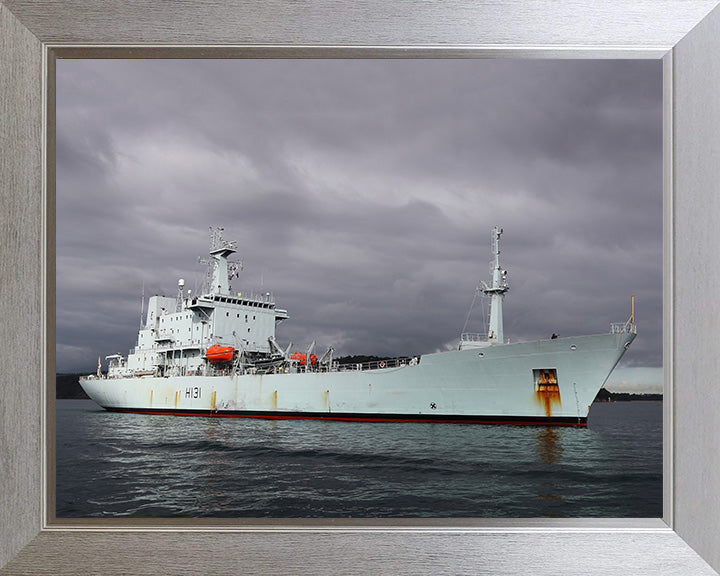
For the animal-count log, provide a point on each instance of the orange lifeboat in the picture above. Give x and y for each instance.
(218, 353)
(302, 359)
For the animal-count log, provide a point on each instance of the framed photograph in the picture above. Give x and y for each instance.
(359, 199)
(683, 35)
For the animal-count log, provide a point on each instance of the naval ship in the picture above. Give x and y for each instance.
(215, 354)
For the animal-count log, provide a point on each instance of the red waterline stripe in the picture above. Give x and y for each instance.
(580, 423)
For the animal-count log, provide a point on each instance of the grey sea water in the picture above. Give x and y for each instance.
(134, 465)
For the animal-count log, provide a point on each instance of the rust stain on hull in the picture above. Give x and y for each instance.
(547, 390)
(548, 396)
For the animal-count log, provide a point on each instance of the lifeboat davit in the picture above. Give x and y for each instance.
(218, 353)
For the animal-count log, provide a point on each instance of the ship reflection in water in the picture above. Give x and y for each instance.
(549, 448)
(135, 465)
(549, 452)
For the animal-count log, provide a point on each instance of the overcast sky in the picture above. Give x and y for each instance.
(362, 194)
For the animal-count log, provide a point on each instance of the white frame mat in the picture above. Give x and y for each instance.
(685, 34)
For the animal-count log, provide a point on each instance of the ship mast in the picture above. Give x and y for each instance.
(220, 269)
(496, 292)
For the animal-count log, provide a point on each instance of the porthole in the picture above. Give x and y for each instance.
(481, 354)
(573, 347)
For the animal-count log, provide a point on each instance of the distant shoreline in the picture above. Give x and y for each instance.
(607, 396)
(67, 387)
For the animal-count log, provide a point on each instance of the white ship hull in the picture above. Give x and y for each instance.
(503, 383)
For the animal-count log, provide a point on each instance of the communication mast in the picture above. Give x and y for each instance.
(220, 269)
(496, 292)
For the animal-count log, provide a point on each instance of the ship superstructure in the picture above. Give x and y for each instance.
(215, 354)
(193, 334)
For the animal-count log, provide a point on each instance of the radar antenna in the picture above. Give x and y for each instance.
(217, 241)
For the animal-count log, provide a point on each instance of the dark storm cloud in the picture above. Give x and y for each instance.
(362, 193)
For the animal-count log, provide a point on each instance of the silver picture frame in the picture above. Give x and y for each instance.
(685, 34)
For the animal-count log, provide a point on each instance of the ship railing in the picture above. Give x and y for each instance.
(473, 337)
(624, 327)
(629, 326)
(243, 298)
(287, 369)
(192, 345)
(380, 364)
